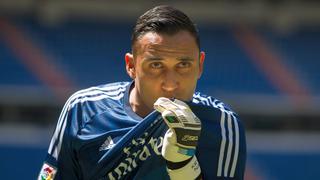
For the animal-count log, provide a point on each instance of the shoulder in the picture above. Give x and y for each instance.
(224, 133)
(86, 103)
(112, 91)
(214, 112)
(211, 104)
(79, 110)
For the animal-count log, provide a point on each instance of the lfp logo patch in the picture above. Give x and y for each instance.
(47, 172)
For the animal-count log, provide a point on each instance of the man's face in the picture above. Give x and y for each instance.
(165, 66)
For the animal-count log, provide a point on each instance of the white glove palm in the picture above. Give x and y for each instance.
(184, 129)
(180, 141)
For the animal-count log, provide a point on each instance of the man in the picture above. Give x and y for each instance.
(155, 127)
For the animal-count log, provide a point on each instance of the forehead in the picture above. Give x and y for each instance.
(180, 42)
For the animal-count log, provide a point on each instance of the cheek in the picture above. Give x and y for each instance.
(190, 78)
(149, 92)
(149, 84)
(150, 80)
(188, 83)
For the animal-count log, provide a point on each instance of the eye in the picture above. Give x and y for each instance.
(184, 64)
(156, 65)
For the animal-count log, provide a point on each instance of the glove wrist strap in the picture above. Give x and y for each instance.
(177, 165)
(191, 170)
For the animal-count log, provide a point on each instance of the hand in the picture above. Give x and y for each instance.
(184, 129)
(180, 140)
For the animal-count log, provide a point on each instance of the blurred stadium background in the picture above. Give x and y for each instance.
(263, 59)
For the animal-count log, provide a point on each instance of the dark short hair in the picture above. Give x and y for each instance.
(164, 19)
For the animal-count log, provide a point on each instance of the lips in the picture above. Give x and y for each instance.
(170, 96)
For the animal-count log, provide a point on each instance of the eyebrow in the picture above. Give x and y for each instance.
(186, 58)
(155, 58)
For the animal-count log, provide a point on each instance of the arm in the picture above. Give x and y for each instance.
(60, 162)
(239, 169)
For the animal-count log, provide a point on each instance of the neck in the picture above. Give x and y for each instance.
(137, 105)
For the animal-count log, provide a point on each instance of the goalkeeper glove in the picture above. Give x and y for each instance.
(180, 141)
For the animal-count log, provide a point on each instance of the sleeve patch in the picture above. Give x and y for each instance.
(47, 172)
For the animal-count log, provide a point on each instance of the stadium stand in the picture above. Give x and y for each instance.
(82, 48)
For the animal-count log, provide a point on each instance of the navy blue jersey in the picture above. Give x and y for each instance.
(98, 136)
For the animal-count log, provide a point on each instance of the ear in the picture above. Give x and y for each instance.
(201, 60)
(130, 67)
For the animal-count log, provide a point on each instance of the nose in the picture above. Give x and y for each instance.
(170, 82)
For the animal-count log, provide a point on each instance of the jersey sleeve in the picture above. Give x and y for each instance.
(239, 152)
(221, 149)
(60, 161)
(223, 145)
(231, 150)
